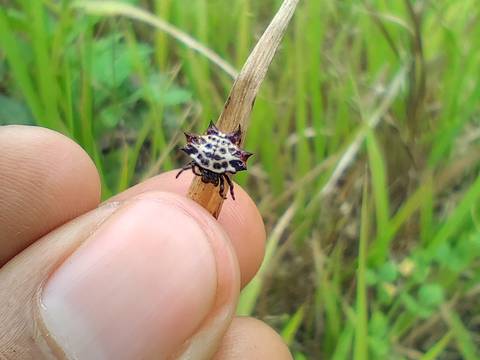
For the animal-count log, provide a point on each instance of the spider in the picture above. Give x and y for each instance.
(215, 156)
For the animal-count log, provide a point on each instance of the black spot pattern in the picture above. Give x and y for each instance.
(190, 150)
(216, 155)
(237, 165)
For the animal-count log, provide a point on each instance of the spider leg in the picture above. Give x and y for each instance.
(190, 165)
(194, 170)
(230, 184)
(222, 187)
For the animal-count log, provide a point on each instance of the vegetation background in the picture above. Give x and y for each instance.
(366, 135)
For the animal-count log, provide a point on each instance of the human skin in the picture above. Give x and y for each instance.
(148, 274)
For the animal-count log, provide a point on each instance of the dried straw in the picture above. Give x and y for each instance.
(240, 102)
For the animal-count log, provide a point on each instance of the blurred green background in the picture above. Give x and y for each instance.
(366, 136)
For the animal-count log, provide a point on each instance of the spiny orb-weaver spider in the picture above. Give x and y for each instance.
(215, 155)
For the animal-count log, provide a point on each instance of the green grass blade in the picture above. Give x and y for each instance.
(437, 349)
(344, 345)
(10, 46)
(47, 84)
(379, 183)
(379, 252)
(361, 309)
(463, 338)
(458, 217)
(293, 324)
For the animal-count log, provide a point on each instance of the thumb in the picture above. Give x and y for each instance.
(150, 278)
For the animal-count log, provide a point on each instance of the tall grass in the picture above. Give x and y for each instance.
(382, 93)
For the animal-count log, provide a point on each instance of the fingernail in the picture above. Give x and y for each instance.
(137, 289)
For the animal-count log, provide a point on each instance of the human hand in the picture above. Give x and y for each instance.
(147, 275)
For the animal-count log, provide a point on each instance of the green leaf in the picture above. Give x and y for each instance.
(378, 324)
(113, 64)
(466, 250)
(422, 269)
(385, 294)
(415, 307)
(379, 347)
(388, 272)
(162, 90)
(431, 295)
(111, 115)
(443, 253)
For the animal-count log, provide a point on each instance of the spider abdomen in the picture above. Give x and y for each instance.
(216, 155)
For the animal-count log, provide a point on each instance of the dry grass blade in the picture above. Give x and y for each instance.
(242, 96)
(252, 291)
(351, 152)
(115, 8)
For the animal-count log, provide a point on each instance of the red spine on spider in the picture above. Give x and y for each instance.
(215, 156)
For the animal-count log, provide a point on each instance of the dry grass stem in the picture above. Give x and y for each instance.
(351, 152)
(240, 102)
(115, 8)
